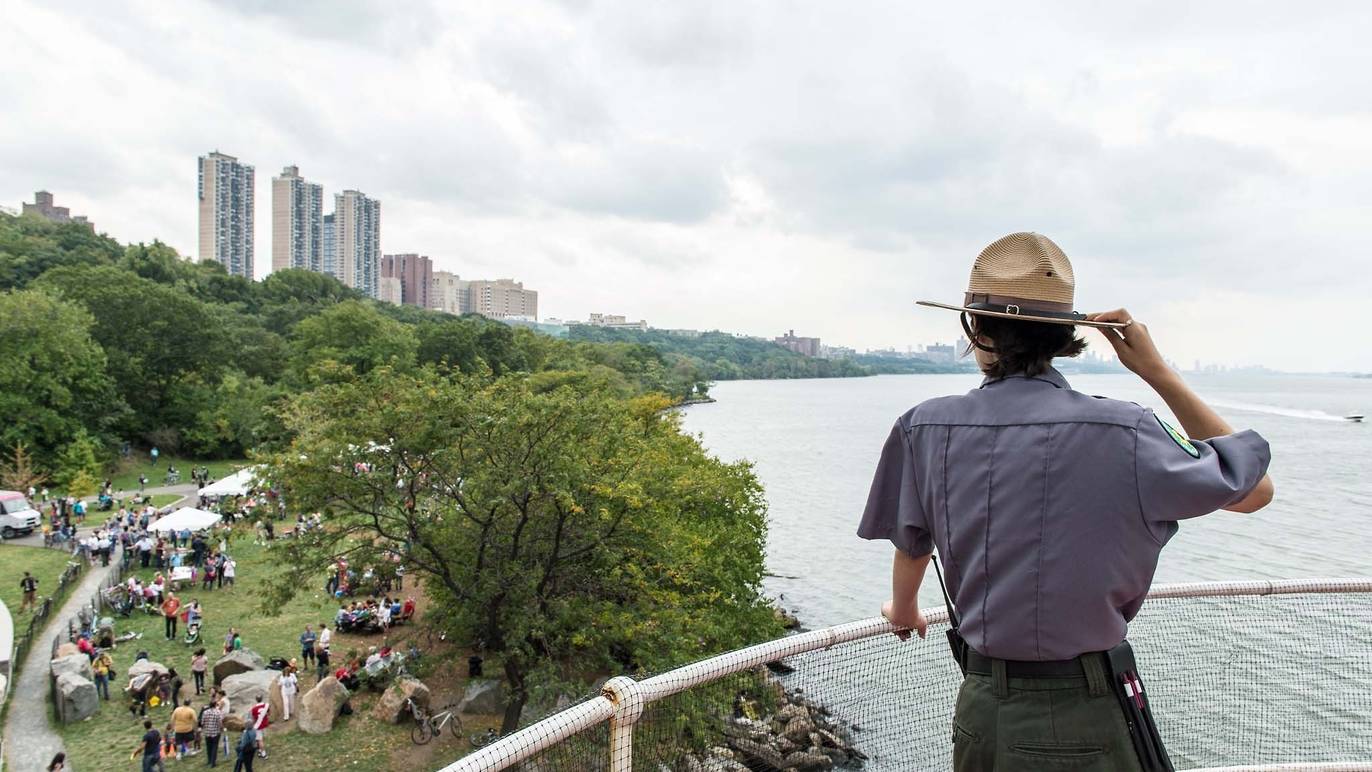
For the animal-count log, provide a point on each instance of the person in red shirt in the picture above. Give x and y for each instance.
(170, 608)
(259, 713)
(85, 646)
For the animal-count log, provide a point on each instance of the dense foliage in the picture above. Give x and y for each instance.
(134, 344)
(569, 530)
(719, 356)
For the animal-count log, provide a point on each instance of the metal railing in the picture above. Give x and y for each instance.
(622, 701)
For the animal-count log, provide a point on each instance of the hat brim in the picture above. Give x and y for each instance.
(1024, 317)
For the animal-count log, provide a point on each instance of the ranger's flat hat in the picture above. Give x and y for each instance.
(1022, 276)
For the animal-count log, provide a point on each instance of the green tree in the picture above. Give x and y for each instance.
(53, 382)
(353, 334)
(451, 343)
(224, 419)
(151, 333)
(78, 461)
(565, 531)
(31, 245)
(286, 297)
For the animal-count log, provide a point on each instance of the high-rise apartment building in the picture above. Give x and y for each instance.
(297, 222)
(448, 293)
(503, 298)
(388, 290)
(42, 206)
(329, 251)
(415, 273)
(357, 240)
(226, 212)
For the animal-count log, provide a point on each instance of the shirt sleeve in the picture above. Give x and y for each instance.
(1180, 478)
(893, 508)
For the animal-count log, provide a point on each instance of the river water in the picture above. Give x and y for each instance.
(815, 445)
(1280, 679)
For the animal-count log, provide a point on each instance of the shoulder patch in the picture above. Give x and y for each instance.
(1178, 438)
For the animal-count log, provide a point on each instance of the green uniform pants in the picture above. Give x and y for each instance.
(1024, 724)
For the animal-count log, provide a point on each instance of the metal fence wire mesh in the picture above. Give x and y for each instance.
(1236, 679)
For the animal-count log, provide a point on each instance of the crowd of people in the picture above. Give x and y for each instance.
(189, 732)
(164, 573)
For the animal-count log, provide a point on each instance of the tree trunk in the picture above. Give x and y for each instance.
(519, 694)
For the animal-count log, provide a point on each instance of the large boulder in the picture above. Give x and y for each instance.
(77, 699)
(319, 706)
(66, 650)
(235, 662)
(234, 722)
(483, 696)
(245, 689)
(391, 707)
(78, 664)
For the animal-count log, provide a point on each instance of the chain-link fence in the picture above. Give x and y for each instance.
(1270, 673)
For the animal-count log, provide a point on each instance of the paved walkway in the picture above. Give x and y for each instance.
(30, 742)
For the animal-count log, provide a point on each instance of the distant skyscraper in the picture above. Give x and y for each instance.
(415, 273)
(226, 213)
(357, 240)
(329, 252)
(297, 222)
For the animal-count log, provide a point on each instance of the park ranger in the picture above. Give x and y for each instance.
(1049, 508)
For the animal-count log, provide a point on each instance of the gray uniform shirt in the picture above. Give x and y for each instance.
(1048, 507)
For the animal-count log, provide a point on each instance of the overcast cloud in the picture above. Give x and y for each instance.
(756, 166)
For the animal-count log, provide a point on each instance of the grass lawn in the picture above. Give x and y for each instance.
(127, 470)
(358, 742)
(45, 565)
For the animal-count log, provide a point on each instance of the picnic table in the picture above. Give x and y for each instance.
(181, 574)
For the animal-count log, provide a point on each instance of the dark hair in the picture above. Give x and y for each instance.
(1022, 348)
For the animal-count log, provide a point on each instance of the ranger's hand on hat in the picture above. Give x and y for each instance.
(905, 620)
(1132, 343)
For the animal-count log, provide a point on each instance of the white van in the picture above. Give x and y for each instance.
(17, 516)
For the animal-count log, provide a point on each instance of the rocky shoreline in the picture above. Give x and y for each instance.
(799, 735)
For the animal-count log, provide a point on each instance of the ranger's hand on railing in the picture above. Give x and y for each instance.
(905, 620)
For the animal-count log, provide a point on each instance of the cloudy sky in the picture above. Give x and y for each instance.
(754, 166)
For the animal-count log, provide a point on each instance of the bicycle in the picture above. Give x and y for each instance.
(428, 727)
(482, 739)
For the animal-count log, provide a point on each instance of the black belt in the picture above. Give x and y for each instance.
(1057, 668)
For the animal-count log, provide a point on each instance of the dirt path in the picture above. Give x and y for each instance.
(30, 742)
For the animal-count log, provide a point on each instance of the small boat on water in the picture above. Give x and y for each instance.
(1357, 419)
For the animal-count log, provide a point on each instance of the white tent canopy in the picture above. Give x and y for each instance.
(186, 519)
(235, 484)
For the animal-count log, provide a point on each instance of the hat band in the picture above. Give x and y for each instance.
(1013, 306)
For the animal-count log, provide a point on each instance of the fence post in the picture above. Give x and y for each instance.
(623, 691)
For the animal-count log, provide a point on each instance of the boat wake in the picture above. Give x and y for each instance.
(1289, 412)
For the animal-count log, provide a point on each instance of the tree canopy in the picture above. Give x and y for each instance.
(567, 529)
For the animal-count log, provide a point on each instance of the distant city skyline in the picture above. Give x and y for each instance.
(753, 167)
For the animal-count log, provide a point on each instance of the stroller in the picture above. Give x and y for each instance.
(119, 600)
(192, 632)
